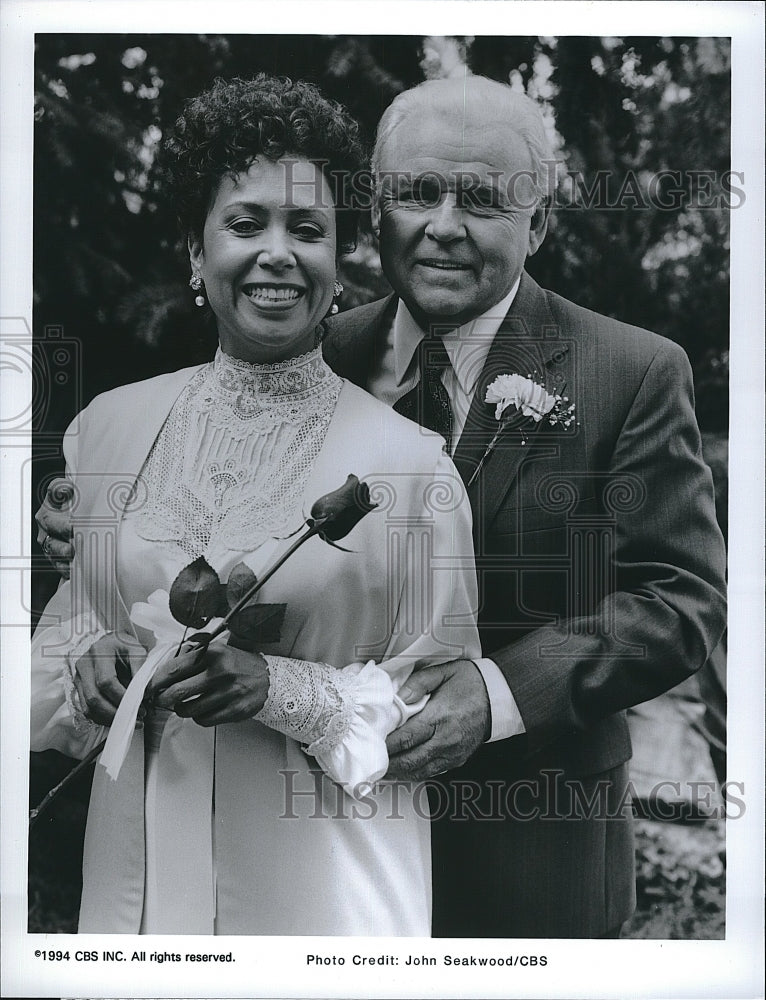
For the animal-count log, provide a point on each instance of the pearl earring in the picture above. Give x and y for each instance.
(337, 291)
(195, 282)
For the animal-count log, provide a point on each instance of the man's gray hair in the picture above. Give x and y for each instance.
(522, 114)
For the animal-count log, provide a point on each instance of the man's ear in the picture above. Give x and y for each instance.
(538, 226)
(196, 255)
(375, 215)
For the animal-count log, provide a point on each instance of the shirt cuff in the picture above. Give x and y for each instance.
(505, 714)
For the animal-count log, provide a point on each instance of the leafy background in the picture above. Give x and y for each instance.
(110, 274)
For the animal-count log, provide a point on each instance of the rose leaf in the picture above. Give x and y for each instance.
(241, 579)
(258, 623)
(195, 595)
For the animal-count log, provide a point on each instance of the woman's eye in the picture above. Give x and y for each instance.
(245, 227)
(309, 231)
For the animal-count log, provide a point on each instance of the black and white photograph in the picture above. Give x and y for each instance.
(382, 500)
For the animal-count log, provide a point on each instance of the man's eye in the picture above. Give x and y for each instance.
(480, 200)
(425, 193)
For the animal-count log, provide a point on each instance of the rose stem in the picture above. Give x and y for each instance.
(35, 814)
(313, 530)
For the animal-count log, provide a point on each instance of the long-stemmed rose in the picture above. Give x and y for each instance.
(197, 596)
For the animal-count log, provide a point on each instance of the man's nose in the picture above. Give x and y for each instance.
(446, 221)
(275, 250)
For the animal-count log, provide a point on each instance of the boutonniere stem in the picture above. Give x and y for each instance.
(487, 452)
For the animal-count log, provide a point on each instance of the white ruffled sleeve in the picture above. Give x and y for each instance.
(57, 719)
(67, 629)
(343, 716)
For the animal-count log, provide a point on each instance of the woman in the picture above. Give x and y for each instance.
(218, 822)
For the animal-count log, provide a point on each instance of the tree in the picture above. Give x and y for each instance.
(110, 267)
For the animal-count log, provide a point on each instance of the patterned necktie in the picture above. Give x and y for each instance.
(427, 403)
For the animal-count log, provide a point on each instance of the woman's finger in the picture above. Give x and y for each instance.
(172, 696)
(219, 718)
(206, 704)
(175, 669)
(95, 707)
(106, 680)
(220, 702)
(132, 654)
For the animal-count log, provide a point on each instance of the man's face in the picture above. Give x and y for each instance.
(455, 214)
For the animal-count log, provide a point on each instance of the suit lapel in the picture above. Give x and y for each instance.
(528, 342)
(355, 339)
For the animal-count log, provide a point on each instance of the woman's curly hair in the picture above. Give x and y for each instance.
(221, 131)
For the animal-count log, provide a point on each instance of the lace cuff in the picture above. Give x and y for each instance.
(341, 716)
(81, 723)
(311, 702)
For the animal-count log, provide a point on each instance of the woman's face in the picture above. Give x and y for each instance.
(267, 257)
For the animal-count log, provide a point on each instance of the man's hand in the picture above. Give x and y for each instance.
(213, 685)
(55, 525)
(102, 674)
(454, 723)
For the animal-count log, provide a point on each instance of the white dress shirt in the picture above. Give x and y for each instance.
(394, 375)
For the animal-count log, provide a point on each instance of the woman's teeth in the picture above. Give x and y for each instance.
(272, 294)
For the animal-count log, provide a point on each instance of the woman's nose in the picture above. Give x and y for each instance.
(446, 222)
(275, 251)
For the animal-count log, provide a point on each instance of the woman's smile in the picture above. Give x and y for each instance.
(277, 298)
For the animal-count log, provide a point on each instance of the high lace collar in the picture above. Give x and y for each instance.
(282, 381)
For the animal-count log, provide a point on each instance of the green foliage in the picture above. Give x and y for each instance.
(635, 107)
(680, 881)
(56, 847)
(109, 263)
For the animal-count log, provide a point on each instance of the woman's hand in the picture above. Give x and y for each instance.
(213, 685)
(102, 674)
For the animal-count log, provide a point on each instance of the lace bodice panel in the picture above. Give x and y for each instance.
(229, 467)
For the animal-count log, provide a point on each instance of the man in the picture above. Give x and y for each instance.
(599, 560)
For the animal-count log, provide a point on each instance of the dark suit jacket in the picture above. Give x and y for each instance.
(601, 577)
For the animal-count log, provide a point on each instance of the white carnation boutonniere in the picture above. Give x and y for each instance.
(515, 395)
(531, 399)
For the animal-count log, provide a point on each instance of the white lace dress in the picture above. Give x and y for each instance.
(272, 826)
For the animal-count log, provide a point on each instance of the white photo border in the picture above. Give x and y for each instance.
(276, 967)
